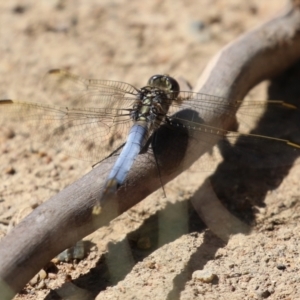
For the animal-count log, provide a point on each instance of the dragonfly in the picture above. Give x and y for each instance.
(110, 118)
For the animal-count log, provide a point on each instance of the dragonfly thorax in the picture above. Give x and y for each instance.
(151, 106)
(153, 101)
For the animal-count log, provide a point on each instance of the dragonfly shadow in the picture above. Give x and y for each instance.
(170, 143)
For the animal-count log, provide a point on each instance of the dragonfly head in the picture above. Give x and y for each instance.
(166, 83)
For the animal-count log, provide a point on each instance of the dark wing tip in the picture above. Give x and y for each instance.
(6, 101)
(54, 71)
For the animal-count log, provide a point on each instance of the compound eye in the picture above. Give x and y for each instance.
(164, 82)
(173, 84)
(154, 79)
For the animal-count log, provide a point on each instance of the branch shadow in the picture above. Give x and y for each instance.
(158, 230)
(245, 187)
(227, 201)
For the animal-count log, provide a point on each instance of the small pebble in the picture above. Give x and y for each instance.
(19, 9)
(9, 134)
(76, 252)
(52, 276)
(41, 285)
(79, 251)
(42, 154)
(10, 170)
(200, 31)
(34, 280)
(151, 265)
(264, 294)
(65, 256)
(40, 276)
(55, 260)
(42, 273)
(281, 267)
(206, 276)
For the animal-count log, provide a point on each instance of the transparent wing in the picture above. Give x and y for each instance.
(65, 88)
(191, 112)
(89, 134)
(209, 106)
(91, 119)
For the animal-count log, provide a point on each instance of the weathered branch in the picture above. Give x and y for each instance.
(67, 216)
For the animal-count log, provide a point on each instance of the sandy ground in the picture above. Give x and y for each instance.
(155, 250)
